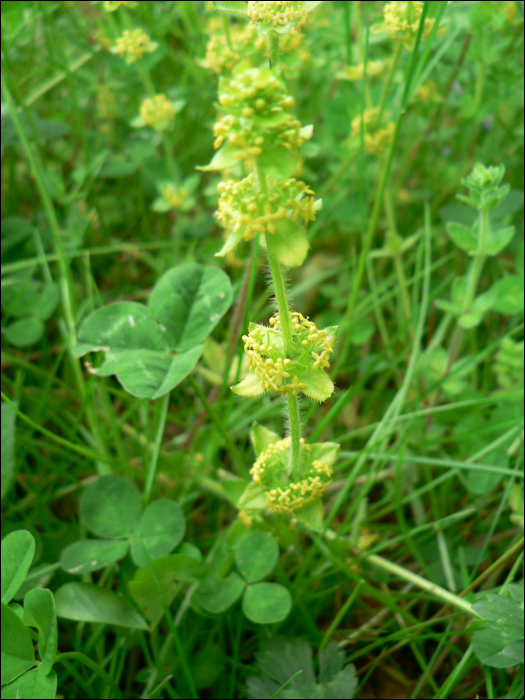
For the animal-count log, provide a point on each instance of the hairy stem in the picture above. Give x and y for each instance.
(283, 306)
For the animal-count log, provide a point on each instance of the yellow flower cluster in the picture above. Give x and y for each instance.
(258, 107)
(111, 6)
(242, 208)
(402, 21)
(157, 112)
(133, 44)
(428, 93)
(279, 14)
(269, 368)
(295, 494)
(224, 53)
(375, 140)
(373, 70)
(174, 196)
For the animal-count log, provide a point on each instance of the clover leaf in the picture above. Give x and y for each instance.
(151, 350)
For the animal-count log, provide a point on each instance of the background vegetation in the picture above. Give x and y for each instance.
(425, 514)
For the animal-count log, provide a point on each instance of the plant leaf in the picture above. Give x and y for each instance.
(289, 243)
(262, 438)
(39, 612)
(233, 7)
(16, 646)
(463, 237)
(84, 556)
(18, 549)
(25, 332)
(160, 530)
(111, 506)
(266, 603)
(217, 595)
(256, 556)
(189, 301)
(33, 684)
(171, 571)
(148, 374)
(499, 240)
(89, 603)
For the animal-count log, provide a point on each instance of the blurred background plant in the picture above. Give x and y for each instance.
(107, 109)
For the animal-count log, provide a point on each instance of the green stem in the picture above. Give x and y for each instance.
(388, 83)
(283, 306)
(274, 50)
(156, 448)
(218, 424)
(281, 299)
(295, 431)
(472, 285)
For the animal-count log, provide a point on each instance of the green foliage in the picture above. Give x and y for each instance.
(376, 493)
(256, 556)
(288, 672)
(8, 447)
(90, 603)
(110, 507)
(151, 350)
(501, 643)
(18, 655)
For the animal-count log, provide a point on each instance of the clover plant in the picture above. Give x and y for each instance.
(152, 349)
(23, 676)
(256, 556)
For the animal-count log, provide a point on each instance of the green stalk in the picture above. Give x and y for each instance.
(378, 199)
(472, 285)
(283, 306)
(274, 50)
(156, 448)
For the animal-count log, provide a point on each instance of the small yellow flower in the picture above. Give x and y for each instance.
(270, 370)
(133, 44)
(428, 93)
(267, 473)
(111, 6)
(244, 211)
(373, 69)
(281, 17)
(157, 112)
(375, 140)
(402, 21)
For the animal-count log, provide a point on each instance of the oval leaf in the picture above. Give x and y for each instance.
(266, 603)
(217, 595)
(91, 555)
(111, 507)
(463, 237)
(147, 374)
(289, 243)
(18, 549)
(171, 571)
(25, 332)
(39, 612)
(160, 530)
(33, 684)
(189, 301)
(256, 556)
(117, 329)
(16, 646)
(89, 603)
